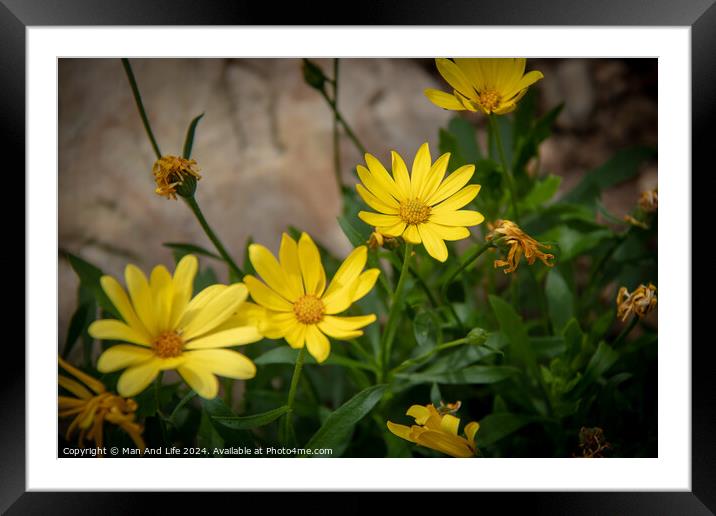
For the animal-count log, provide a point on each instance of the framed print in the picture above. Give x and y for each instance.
(363, 245)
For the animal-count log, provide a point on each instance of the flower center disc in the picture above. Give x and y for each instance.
(489, 99)
(168, 345)
(414, 211)
(309, 309)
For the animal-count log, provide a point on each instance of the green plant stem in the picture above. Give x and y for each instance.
(421, 282)
(507, 169)
(336, 140)
(626, 331)
(396, 307)
(464, 265)
(342, 121)
(140, 106)
(287, 421)
(228, 392)
(186, 399)
(425, 356)
(194, 206)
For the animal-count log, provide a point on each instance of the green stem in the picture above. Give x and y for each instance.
(395, 308)
(336, 141)
(186, 399)
(342, 121)
(421, 283)
(626, 331)
(287, 422)
(140, 106)
(464, 265)
(425, 356)
(507, 169)
(191, 201)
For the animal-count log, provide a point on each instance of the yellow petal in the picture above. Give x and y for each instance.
(216, 311)
(434, 177)
(200, 379)
(378, 219)
(121, 356)
(318, 345)
(270, 271)
(401, 431)
(339, 300)
(160, 283)
(421, 166)
(266, 297)
(400, 173)
(248, 314)
(141, 296)
(381, 175)
(344, 328)
(349, 270)
(226, 338)
(366, 281)
(458, 218)
(392, 231)
(470, 430)
(90, 381)
(111, 329)
(183, 286)
(450, 232)
(380, 190)
(452, 184)
(457, 200)
(277, 324)
(419, 412)
(222, 362)
(525, 82)
(444, 100)
(434, 245)
(314, 277)
(451, 445)
(296, 335)
(411, 234)
(136, 378)
(120, 300)
(374, 202)
(450, 424)
(455, 77)
(288, 257)
(198, 303)
(472, 69)
(74, 387)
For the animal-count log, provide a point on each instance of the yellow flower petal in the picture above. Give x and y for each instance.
(248, 314)
(470, 430)
(121, 356)
(160, 283)
(378, 219)
(455, 77)
(400, 173)
(421, 166)
(374, 202)
(266, 297)
(472, 69)
(318, 345)
(384, 179)
(296, 335)
(366, 281)
(453, 446)
(198, 303)
(444, 100)
(457, 200)
(349, 270)
(529, 79)
(200, 379)
(435, 176)
(401, 431)
(411, 234)
(74, 387)
(120, 300)
(90, 381)
(137, 377)
(288, 257)
(381, 191)
(226, 338)
(277, 324)
(183, 283)
(434, 245)
(344, 328)
(458, 218)
(314, 277)
(141, 296)
(216, 311)
(452, 184)
(222, 362)
(111, 329)
(271, 273)
(450, 232)
(392, 231)
(339, 300)
(419, 412)
(450, 424)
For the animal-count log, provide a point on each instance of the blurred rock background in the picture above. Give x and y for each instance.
(264, 145)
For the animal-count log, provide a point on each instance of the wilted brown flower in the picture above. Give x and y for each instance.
(170, 172)
(508, 233)
(592, 443)
(648, 201)
(640, 302)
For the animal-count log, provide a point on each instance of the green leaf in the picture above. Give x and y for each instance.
(204, 278)
(542, 192)
(573, 338)
(254, 421)
(81, 319)
(476, 374)
(357, 235)
(425, 329)
(460, 140)
(512, 327)
(89, 278)
(184, 249)
(574, 241)
(217, 409)
(604, 358)
(497, 426)
(207, 436)
(189, 140)
(549, 346)
(340, 423)
(560, 300)
(435, 395)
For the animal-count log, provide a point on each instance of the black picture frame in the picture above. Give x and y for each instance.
(699, 15)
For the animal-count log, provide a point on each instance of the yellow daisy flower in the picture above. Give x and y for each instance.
(299, 307)
(164, 328)
(419, 206)
(92, 406)
(484, 84)
(437, 428)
